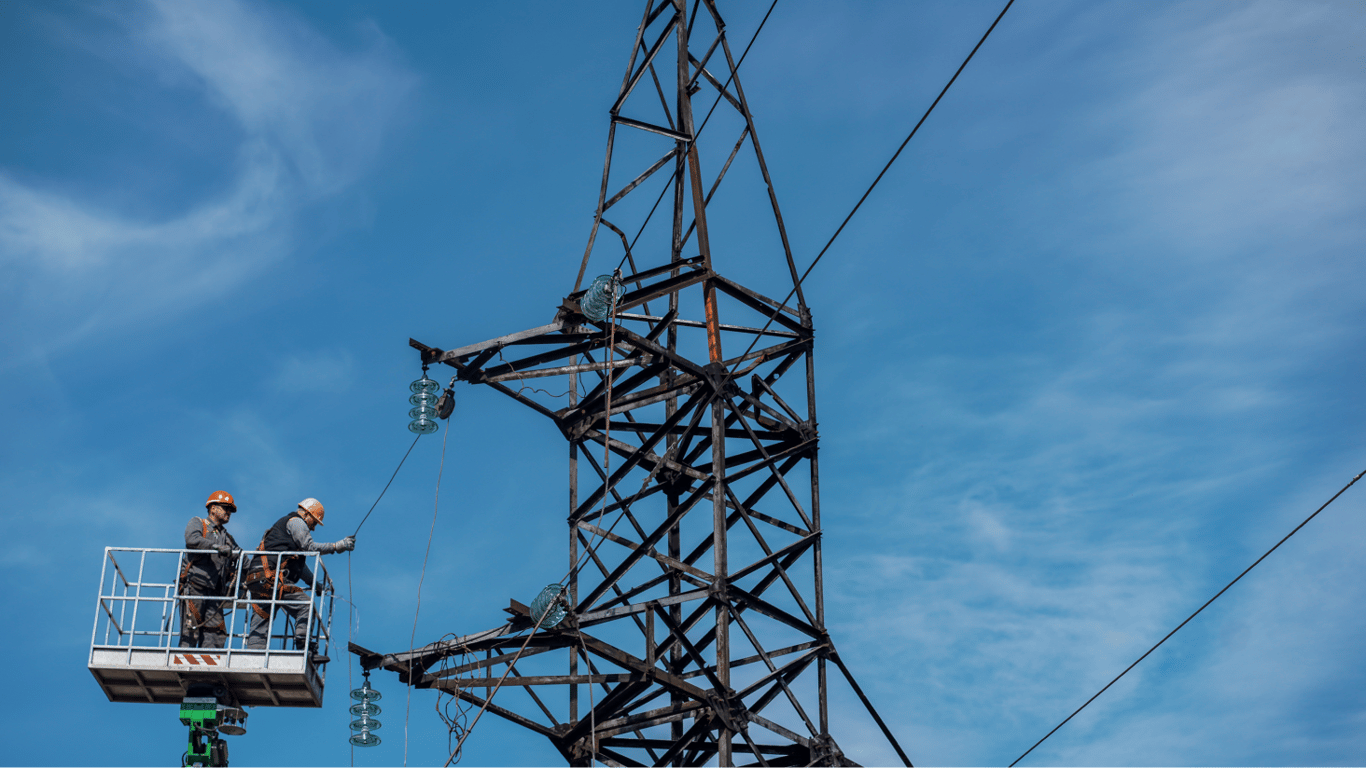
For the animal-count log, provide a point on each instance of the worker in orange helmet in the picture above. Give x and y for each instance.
(206, 579)
(276, 575)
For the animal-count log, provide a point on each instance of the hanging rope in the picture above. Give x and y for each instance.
(352, 613)
(436, 505)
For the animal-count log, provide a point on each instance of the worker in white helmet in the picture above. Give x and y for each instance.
(276, 575)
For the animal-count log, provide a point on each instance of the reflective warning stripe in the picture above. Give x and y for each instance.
(211, 660)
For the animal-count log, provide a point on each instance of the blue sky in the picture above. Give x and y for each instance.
(1092, 346)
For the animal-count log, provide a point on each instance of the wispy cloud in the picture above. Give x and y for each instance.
(312, 119)
(1062, 499)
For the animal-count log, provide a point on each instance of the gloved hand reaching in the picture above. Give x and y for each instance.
(347, 544)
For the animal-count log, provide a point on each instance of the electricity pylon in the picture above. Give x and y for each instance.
(694, 613)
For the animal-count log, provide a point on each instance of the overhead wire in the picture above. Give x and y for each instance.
(730, 374)
(1192, 616)
(607, 445)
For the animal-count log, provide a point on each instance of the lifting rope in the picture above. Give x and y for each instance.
(352, 612)
(436, 505)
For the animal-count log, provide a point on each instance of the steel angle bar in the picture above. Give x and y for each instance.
(759, 408)
(792, 553)
(530, 691)
(642, 360)
(441, 356)
(607, 707)
(635, 556)
(835, 657)
(795, 448)
(626, 501)
(678, 633)
(767, 581)
(764, 355)
(694, 262)
(662, 288)
(650, 552)
(706, 200)
(678, 361)
(596, 397)
(722, 326)
(721, 89)
(646, 457)
(772, 668)
(797, 547)
(766, 608)
(544, 357)
(538, 680)
(649, 171)
(747, 660)
(699, 727)
(613, 613)
(676, 711)
(768, 461)
(764, 305)
(528, 402)
(764, 722)
(768, 181)
(699, 65)
(758, 383)
(642, 427)
(663, 102)
(652, 128)
(790, 673)
(506, 714)
(639, 454)
(488, 662)
(640, 70)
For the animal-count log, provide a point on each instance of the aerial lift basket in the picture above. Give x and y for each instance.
(135, 652)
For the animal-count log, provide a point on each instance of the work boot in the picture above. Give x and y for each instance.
(318, 658)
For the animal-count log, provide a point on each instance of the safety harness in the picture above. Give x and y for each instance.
(193, 615)
(264, 579)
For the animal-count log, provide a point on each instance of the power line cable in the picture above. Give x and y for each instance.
(871, 187)
(698, 133)
(1193, 615)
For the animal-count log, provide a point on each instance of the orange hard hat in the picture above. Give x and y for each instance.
(220, 497)
(314, 508)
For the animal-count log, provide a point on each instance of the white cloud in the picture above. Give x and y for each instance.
(312, 118)
(320, 371)
(1070, 501)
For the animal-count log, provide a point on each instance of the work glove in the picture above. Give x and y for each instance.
(224, 549)
(347, 544)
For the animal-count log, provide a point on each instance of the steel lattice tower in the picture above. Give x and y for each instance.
(696, 628)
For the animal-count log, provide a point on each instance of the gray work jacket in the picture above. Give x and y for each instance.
(212, 570)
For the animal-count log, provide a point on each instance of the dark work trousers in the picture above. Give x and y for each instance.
(201, 620)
